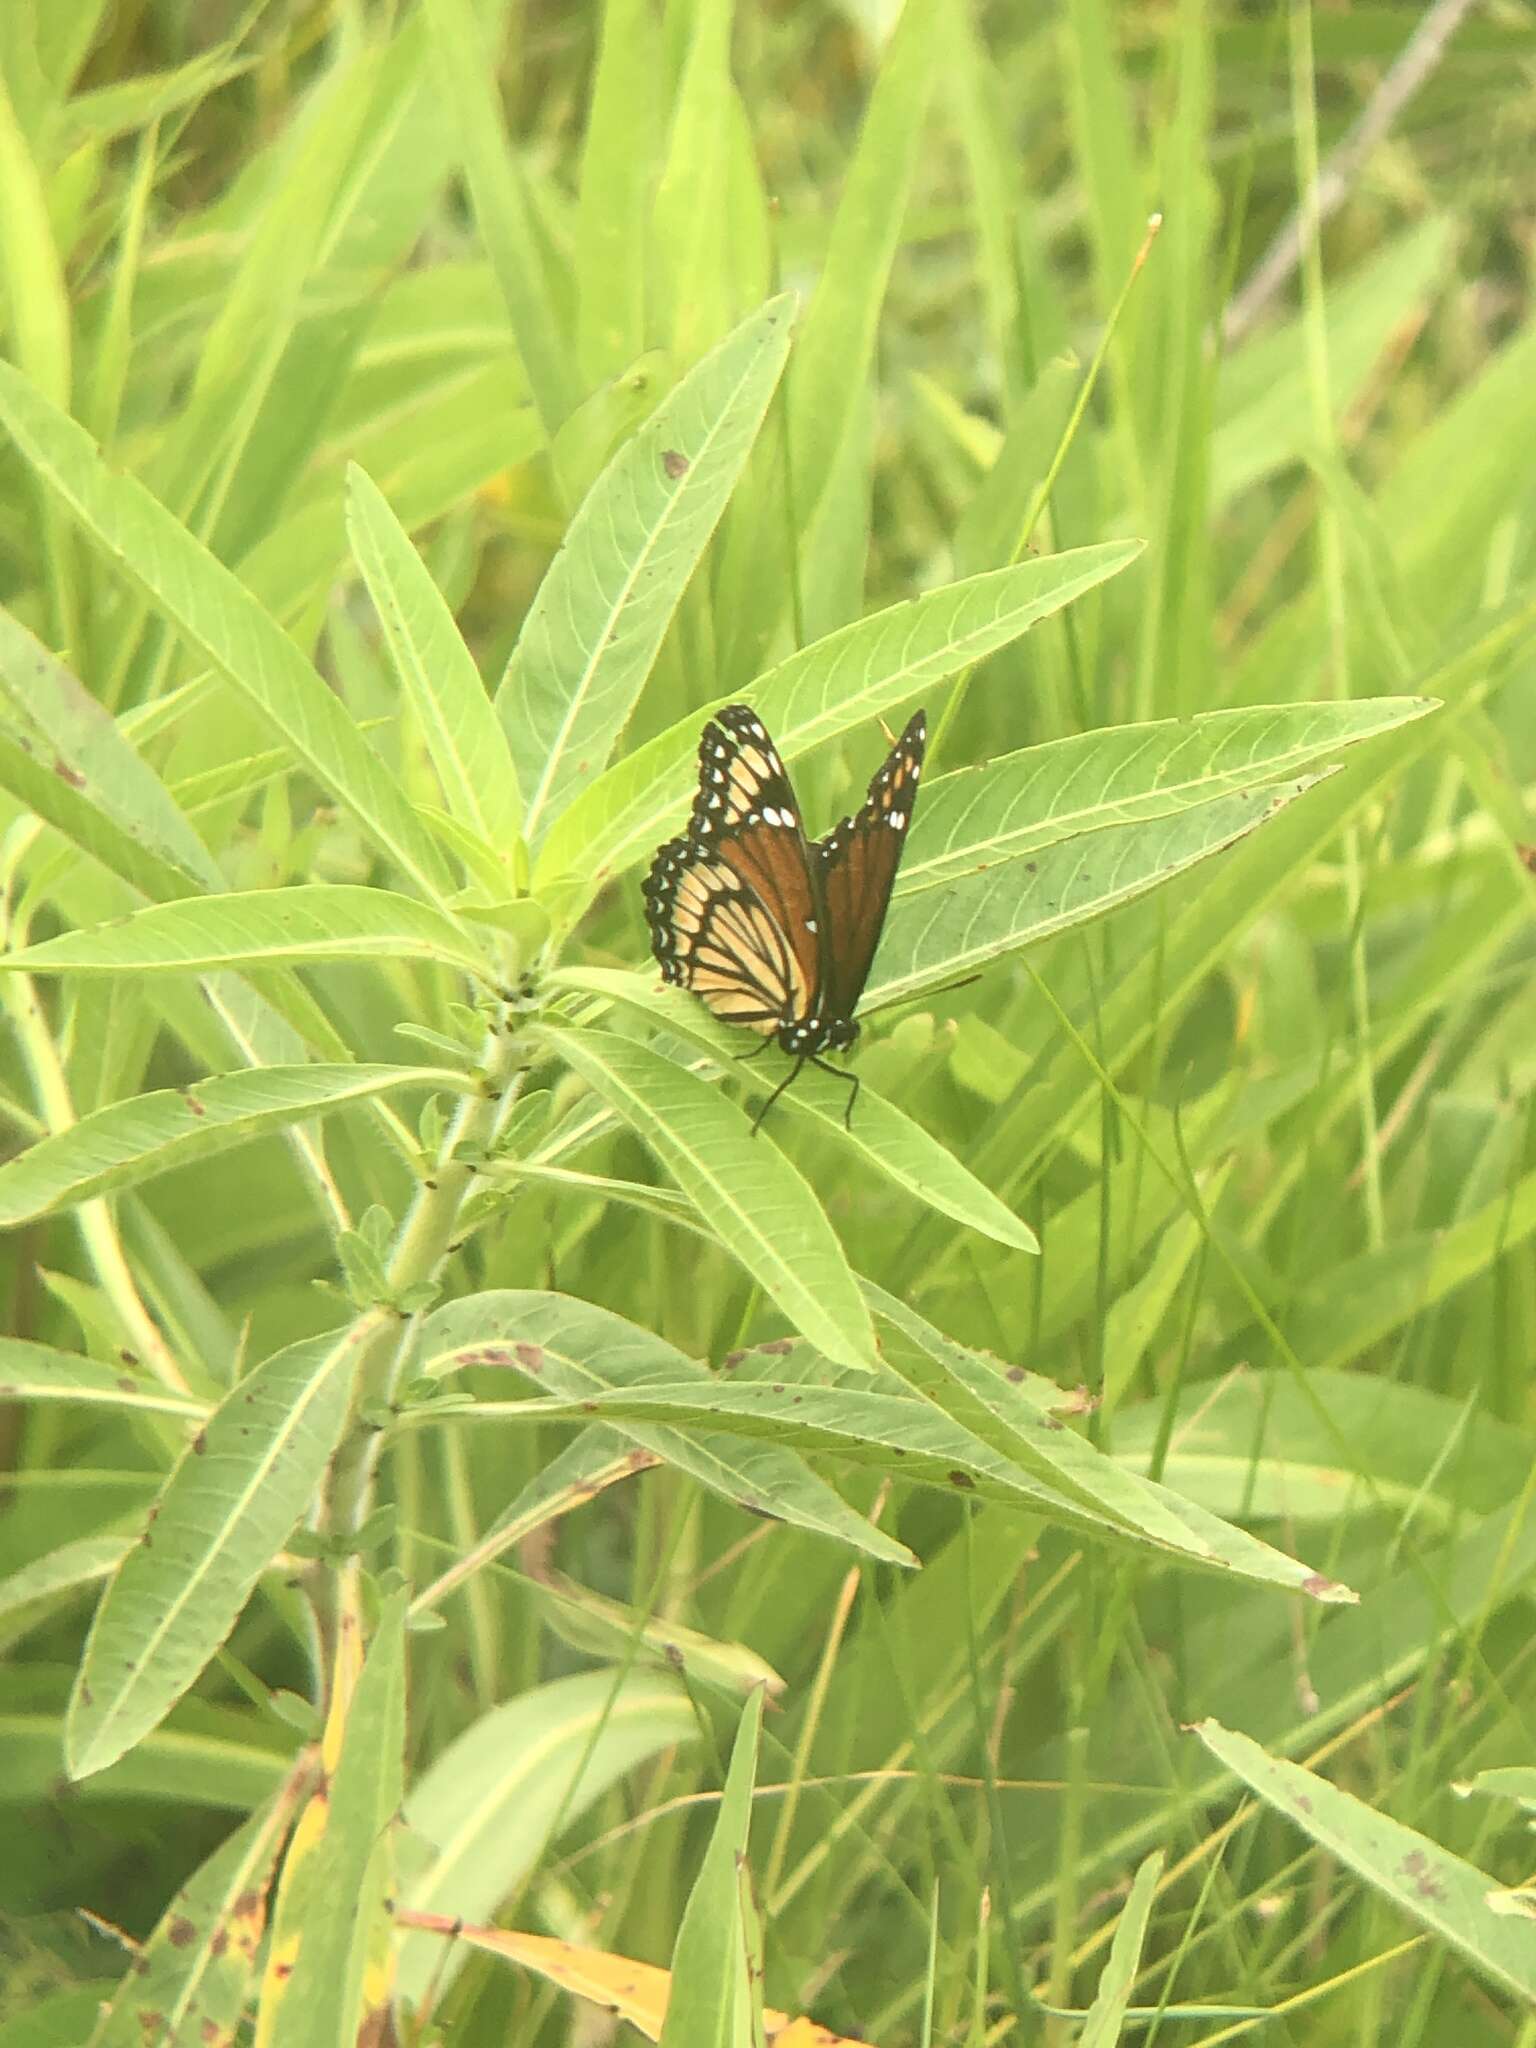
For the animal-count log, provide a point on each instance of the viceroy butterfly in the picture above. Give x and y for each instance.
(769, 929)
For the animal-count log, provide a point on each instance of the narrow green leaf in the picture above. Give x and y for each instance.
(1021, 802)
(1431, 1886)
(30, 1595)
(132, 1141)
(37, 303)
(1106, 2016)
(920, 1445)
(1368, 1297)
(222, 1516)
(67, 759)
(259, 928)
(219, 617)
(994, 522)
(840, 682)
(463, 734)
(939, 933)
(754, 1201)
(109, 111)
(836, 349)
(594, 629)
(618, 162)
(1001, 1408)
(504, 213)
(713, 2001)
(879, 1133)
(194, 1975)
(573, 1348)
(321, 2000)
(36, 1372)
(489, 1804)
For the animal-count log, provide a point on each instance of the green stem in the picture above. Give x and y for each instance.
(426, 1239)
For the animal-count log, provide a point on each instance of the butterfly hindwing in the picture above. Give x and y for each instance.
(858, 860)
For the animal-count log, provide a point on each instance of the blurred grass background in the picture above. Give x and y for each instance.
(248, 244)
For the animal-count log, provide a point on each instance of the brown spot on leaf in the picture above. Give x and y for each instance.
(126, 1384)
(673, 463)
(962, 1480)
(200, 1443)
(1015, 1373)
(181, 1932)
(65, 773)
(192, 1103)
(731, 1360)
(777, 1347)
(530, 1357)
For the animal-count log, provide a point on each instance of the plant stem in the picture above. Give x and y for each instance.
(382, 1337)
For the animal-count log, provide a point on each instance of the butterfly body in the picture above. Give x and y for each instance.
(772, 930)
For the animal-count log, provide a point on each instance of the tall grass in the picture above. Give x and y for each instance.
(1046, 1562)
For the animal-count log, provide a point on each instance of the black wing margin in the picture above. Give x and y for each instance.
(733, 908)
(858, 860)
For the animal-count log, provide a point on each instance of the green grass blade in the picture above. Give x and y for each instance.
(129, 1142)
(1105, 2019)
(503, 206)
(939, 933)
(837, 342)
(218, 616)
(259, 928)
(613, 219)
(37, 302)
(1366, 1298)
(713, 2001)
(463, 734)
(222, 1516)
(594, 629)
(753, 1200)
(854, 674)
(1425, 1882)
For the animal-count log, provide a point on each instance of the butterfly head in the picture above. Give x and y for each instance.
(805, 1037)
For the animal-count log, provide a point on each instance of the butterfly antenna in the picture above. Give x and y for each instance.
(773, 1098)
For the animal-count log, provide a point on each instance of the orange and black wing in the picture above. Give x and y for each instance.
(858, 860)
(733, 907)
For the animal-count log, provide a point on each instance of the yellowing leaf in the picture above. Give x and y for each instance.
(632, 1991)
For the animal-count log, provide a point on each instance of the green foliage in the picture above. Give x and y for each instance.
(416, 419)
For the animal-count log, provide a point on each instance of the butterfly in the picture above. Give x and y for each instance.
(768, 928)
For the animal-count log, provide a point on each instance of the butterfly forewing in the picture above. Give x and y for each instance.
(733, 908)
(858, 860)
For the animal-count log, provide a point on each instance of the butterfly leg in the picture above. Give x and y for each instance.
(773, 1098)
(853, 1087)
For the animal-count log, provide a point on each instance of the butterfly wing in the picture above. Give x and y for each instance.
(733, 908)
(858, 860)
